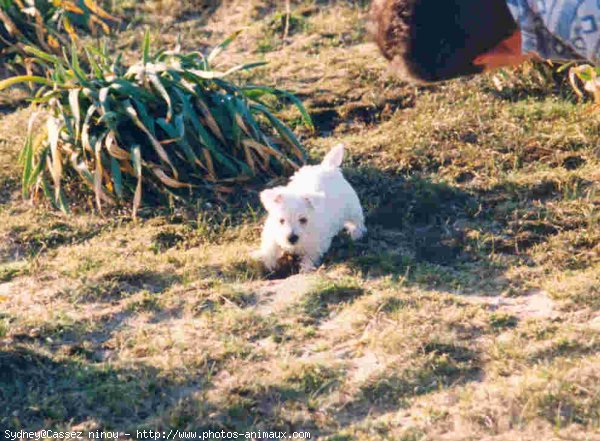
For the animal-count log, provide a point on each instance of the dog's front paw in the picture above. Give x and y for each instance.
(268, 261)
(306, 269)
(308, 265)
(356, 232)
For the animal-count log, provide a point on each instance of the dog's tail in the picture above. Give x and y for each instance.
(334, 158)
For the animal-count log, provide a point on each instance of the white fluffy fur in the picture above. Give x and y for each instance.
(315, 206)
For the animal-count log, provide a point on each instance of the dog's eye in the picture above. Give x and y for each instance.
(303, 221)
(282, 221)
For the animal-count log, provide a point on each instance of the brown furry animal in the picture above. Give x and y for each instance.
(435, 40)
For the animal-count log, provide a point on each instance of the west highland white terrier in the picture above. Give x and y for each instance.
(309, 212)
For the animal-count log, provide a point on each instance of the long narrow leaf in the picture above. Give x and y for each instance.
(159, 148)
(221, 47)
(5, 84)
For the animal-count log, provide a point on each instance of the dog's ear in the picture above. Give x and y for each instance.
(271, 198)
(334, 158)
(314, 199)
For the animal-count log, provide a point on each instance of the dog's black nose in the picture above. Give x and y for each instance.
(293, 238)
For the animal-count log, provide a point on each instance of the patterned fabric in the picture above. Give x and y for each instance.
(559, 29)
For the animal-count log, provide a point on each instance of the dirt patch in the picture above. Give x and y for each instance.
(6, 289)
(536, 304)
(365, 367)
(276, 295)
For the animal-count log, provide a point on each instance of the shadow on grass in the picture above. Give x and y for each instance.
(32, 242)
(254, 406)
(331, 116)
(119, 285)
(79, 339)
(441, 236)
(318, 304)
(12, 106)
(8, 186)
(63, 373)
(248, 409)
(436, 366)
(39, 392)
(413, 223)
(201, 10)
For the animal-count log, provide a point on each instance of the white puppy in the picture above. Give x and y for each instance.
(309, 212)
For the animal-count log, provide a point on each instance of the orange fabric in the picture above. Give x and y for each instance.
(507, 53)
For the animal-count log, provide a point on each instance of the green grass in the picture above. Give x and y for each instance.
(470, 311)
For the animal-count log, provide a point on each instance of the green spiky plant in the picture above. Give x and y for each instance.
(169, 125)
(46, 24)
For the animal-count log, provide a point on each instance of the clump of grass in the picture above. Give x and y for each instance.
(245, 324)
(167, 127)
(218, 297)
(12, 270)
(146, 301)
(48, 25)
(318, 303)
(501, 320)
(439, 366)
(577, 289)
(313, 379)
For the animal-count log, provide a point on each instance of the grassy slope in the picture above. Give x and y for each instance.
(469, 312)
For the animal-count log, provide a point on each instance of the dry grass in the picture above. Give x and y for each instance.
(469, 312)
